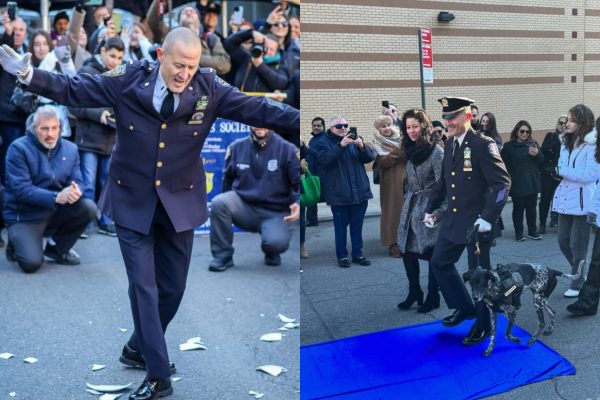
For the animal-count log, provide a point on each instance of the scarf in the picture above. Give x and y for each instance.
(385, 145)
(417, 153)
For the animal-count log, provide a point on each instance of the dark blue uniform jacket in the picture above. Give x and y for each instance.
(267, 176)
(34, 175)
(476, 191)
(155, 159)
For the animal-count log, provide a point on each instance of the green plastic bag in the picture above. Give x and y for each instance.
(312, 189)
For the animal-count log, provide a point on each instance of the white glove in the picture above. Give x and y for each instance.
(63, 53)
(13, 62)
(429, 220)
(484, 226)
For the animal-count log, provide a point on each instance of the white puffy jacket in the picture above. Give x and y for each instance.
(579, 171)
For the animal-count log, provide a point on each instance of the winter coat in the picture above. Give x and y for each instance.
(248, 78)
(392, 172)
(523, 168)
(579, 171)
(420, 180)
(342, 170)
(91, 134)
(551, 150)
(8, 113)
(34, 176)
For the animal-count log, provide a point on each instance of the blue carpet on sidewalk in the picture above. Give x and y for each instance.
(424, 361)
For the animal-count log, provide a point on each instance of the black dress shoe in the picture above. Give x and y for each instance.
(152, 389)
(69, 258)
(272, 260)
(134, 359)
(456, 318)
(362, 261)
(475, 336)
(219, 265)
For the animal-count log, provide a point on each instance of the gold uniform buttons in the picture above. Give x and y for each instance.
(453, 173)
(163, 126)
(191, 186)
(118, 182)
(157, 182)
(453, 197)
(161, 145)
(195, 133)
(455, 210)
(453, 185)
(159, 164)
(130, 127)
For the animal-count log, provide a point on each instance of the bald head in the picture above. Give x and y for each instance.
(179, 57)
(180, 36)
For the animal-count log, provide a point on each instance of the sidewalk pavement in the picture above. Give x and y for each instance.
(71, 317)
(338, 303)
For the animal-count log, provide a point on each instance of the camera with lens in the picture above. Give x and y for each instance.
(257, 50)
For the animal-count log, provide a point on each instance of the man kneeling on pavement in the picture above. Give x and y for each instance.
(43, 195)
(261, 182)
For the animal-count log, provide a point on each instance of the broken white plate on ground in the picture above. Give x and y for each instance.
(274, 370)
(6, 356)
(123, 329)
(177, 379)
(291, 325)
(196, 339)
(256, 394)
(92, 391)
(110, 396)
(283, 318)
(271, 337)
(97, 367)
(108, 388)
(12, 394)
(191, 346)
(30, 360)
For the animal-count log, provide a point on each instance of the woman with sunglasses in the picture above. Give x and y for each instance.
(416, 241)
(579, 170)
(522, 158)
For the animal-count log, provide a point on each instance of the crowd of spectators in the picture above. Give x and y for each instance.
(261, 56)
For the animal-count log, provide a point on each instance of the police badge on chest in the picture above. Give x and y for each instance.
(467, 165)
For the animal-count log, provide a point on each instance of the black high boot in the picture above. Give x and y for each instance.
(432, 301)
(411, 264)
(587, 301)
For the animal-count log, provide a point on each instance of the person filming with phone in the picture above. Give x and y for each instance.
(342, 156)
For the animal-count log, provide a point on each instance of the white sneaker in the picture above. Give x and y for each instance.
(572, 293)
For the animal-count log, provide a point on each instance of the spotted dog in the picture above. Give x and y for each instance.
(501, 290)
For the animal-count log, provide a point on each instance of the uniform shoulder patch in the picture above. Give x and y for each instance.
(493, 149)
(221, 81)
(120, 70)
(275, 103)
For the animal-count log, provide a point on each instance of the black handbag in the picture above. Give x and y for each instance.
(25, 103)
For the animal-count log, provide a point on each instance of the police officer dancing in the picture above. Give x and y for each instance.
(475, 184)
(156, 190)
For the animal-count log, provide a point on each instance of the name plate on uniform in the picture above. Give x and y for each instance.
(467, 166)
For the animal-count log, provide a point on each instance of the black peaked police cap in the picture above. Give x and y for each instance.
(451, 106)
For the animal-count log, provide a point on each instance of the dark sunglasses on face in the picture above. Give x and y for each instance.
(282, 23)
(524, 131)
(562, 122)
(340, 126)
(438, 131)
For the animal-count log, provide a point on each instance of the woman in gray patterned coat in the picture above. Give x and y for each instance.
(415, 240)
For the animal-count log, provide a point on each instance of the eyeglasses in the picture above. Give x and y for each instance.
(524, 131)
(439, 131)
(282, 23)
(340, 126)
(562, 122)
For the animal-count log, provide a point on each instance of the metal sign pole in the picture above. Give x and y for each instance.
(421, 70)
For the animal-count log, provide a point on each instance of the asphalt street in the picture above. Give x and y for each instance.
(338, 303)
(70, 318)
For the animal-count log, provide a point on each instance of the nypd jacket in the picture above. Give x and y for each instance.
(34, 176)
(342, 170)
(267, 176)
(475, 184)
(156, 160)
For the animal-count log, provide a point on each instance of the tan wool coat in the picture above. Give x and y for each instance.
(392, 171)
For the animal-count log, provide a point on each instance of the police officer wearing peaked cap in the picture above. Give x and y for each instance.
(156, 190)
(475, 184)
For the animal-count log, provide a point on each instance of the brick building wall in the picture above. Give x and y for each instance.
(520, 59)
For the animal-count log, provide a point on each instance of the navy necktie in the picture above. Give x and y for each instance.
(167, 105)
(454, 149)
